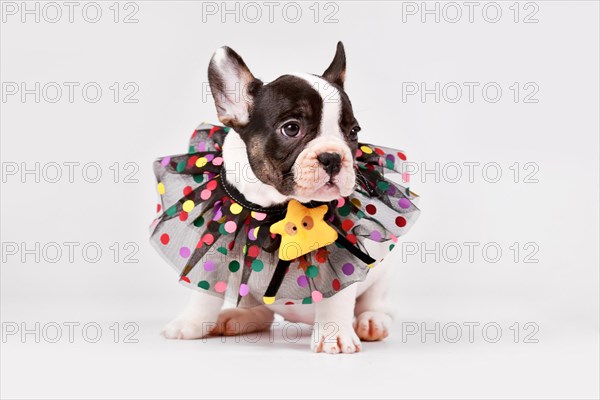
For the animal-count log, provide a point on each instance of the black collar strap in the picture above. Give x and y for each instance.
(240, 199)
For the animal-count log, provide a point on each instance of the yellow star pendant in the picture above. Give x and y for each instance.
(303, 230)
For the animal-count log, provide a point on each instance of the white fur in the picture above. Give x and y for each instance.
(332, 105)
(239, 174)
(310, 177)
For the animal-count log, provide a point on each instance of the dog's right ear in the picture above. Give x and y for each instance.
(233, 87)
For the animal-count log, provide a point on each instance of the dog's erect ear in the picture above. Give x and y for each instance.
(336, 72)
(233, 87)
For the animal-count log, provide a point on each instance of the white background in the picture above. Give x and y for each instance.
(166, 54)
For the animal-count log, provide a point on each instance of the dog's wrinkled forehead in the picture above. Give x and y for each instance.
(288, 97)
(320, 104)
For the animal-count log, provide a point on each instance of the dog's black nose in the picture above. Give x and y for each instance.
(331, 162)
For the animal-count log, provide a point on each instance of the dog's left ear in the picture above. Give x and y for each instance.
(336, 72)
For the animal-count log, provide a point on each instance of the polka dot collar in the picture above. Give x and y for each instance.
(220, 243)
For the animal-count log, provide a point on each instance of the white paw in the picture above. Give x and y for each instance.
(372, 325)
(183, 328)
(333, 339)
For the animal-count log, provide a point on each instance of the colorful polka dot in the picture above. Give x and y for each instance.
(257, 265)
(205, 194)
(218, 214)
(348, 269)
(244, 289)
(371, 209)
(208, 238)
(220, 287)
(201, 162)
(302, 281)
(191, 161)
(209, 266)
(188, 206)
(321, 256)
(335, 284)
(161, 188)
(258, 215)
(217, 161)
(235, 208)
(344, 211)
(401, 221)
(230, 226)
(253, 233)
(198, 178)
(171, 210)
(253, 251)
(366, 149)
(234, 266)
(404, 202)
(184, 252)
(383, 185)
(204, 285)
(347, 224)
(164, 238)
(316, 296)
(312, 271)
(212, 185)
(405, 177)
(351, 238)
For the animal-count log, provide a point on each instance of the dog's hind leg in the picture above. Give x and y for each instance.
(238, 321)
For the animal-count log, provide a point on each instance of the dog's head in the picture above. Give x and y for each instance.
(299, 130)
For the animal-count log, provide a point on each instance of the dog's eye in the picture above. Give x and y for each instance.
(291, 129)
(354, 132)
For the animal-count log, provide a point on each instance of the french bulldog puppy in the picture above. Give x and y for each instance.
(298, 135)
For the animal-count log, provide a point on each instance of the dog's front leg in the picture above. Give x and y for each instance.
(198, 318)
(333, 332)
